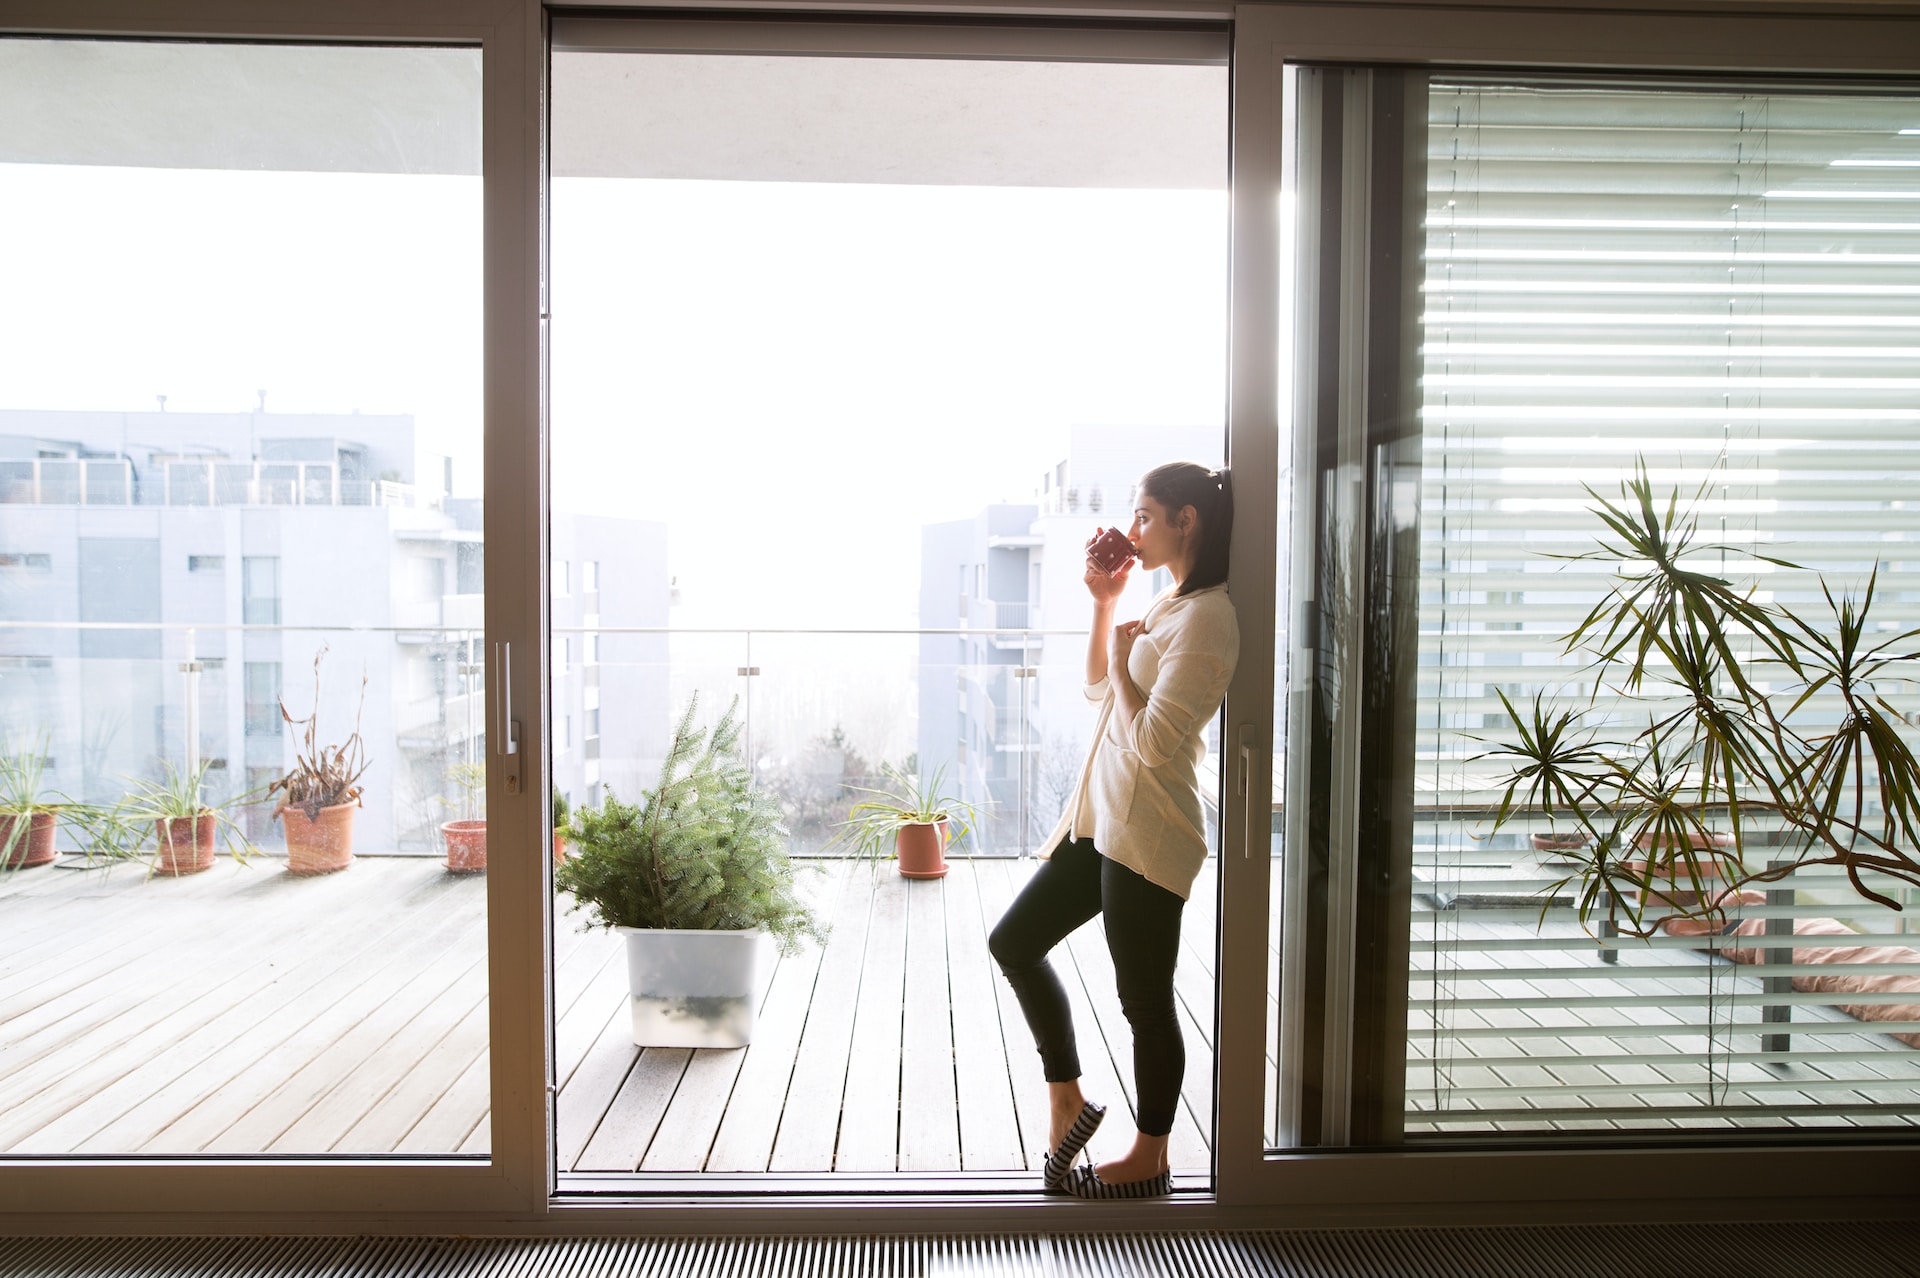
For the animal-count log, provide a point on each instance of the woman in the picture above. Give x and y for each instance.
(1132, 839)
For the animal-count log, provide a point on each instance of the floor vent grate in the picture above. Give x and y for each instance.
(1845, 1250)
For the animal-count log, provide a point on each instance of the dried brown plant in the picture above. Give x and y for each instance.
(322, 776)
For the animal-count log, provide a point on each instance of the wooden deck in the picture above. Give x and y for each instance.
(243, 1011)
(897, 1047)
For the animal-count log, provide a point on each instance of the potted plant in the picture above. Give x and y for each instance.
(467, 836)
(186, 831)
(562, 812)
(1737, 746)
(692, 877)
(319, 793)
(912, 821)
(28, 816)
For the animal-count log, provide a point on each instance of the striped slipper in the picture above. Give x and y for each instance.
(1060, 1161)
(1084, 1182)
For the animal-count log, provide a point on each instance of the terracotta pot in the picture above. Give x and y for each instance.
(1673, 870)
(921, 851)
(322, 845)
(466, 845)
(32, 845)
(559, 847)
(186, 844)
(1557, 842)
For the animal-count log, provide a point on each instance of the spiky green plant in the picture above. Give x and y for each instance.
(703, 850)
(873, 825)
(1722, 680)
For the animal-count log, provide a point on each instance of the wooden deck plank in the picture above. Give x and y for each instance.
(458, 1120)
(686, 1132)
(75, 1000)
(870, 1112)
(274, 1093)
(929, 1102)
(150, 1009)
(584, 1097)
(752, 1120)
(358, 1070)
(810, 1128)
(380, 1127)
(997, 883)
(622, 1136)
(602, 993)
(128, 1114)
(989, 1134)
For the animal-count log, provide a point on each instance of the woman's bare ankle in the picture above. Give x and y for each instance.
(1064, 1103)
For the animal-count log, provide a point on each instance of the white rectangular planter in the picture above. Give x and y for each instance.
(691, 988)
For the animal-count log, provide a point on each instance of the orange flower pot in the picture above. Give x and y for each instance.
(186, 844)
(922, 851)
(32, 844)
(559, 848)
(466, 845)
(321, 845)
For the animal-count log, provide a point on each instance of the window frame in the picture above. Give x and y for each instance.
(512, 1191)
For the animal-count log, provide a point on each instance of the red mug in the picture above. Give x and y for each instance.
(1110, 550)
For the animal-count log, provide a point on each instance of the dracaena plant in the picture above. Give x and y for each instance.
(1715, 721)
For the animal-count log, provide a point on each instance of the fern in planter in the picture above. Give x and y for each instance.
(704, 850)
(1714, 745)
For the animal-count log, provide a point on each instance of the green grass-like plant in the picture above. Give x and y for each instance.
(873, 825)
(704, 850)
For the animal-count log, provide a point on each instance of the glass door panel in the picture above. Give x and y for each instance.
(1743, 327)
(239, 535)
(1564, 288)
(856, 352)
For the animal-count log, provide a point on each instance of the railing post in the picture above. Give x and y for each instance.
(1777, 1014)
(191, 669)
(748, 672)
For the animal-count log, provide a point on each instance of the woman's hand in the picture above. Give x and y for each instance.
(1105, 587)
(1122, 647)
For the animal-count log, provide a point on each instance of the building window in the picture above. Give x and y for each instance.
(589, 576)
(206, 563)
(27, 563)
(562, 585)
(263, 698)
(260, 590)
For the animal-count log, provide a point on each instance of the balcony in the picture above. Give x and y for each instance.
(357, 1024)
(197, 481)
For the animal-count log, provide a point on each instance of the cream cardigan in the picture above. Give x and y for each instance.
(1138, 797)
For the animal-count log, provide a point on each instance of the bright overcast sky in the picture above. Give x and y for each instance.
(795, 377)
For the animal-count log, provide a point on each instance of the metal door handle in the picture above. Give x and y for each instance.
(506, 728)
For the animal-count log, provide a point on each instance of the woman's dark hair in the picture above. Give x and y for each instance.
(1210, 493)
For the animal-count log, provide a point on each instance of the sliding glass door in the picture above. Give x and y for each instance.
(241, 601)
(854, 348)
(1569, 347)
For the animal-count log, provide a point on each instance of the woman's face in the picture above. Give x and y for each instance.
(1160, 535)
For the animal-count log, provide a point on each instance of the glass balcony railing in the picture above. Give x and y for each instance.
(996, 714)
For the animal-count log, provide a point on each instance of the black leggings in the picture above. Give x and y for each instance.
(1142, 922)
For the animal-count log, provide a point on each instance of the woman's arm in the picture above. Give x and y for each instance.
(1097, 640)
(1105, 589)
(1127, 697)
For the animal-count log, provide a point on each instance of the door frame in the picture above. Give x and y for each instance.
(510, 1193)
